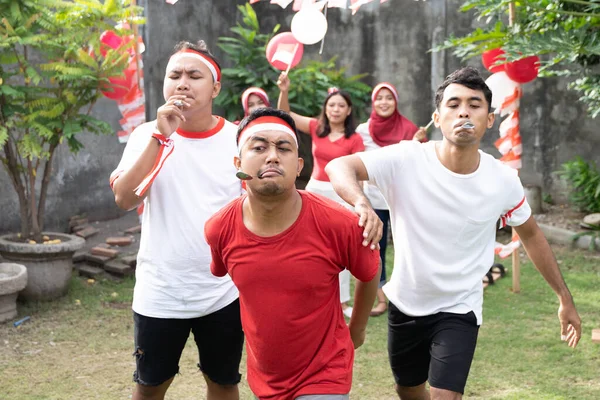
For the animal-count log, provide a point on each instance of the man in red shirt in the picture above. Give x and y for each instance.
(284, 250)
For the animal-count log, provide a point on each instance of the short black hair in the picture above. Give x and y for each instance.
(200, 46)
(265, 112)
(468, 77)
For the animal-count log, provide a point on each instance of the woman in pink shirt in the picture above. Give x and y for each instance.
(333, 135)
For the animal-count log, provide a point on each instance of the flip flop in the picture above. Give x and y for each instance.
(498, 269)
(490, 279)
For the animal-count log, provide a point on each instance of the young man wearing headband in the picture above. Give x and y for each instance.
(180, 166)
(445, 198)
(284, 250)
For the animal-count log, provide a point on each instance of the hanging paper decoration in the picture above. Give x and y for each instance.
(280, 3)
(502, 87)
(132, 105)
(320, 4)
(127, 90)
(309, 25)
(298, 4)
(284, 51)
(523, 70)
(490, 58)
(506, 95)
(356, 4)
(109, 40)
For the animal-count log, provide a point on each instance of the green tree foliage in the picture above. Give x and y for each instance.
(51, 71)
(584, 179)
(310, 80)
(564, 33)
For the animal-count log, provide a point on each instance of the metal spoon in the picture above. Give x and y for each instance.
(468, 125)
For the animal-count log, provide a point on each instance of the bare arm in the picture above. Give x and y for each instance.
(168, 118)
(124, 187)
(364, 296)
(302, 122)
(345, 174)
(541, 255)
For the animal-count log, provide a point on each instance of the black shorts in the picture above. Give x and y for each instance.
(437, 348)
(159, 343)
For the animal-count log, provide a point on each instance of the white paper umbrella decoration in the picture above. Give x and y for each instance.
(501, 86)
(309, 25)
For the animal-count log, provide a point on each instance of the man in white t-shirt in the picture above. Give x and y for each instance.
(445, 199)
(180, 166)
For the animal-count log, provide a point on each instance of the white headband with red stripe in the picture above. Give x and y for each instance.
(189, 53)
(262, 124)
(253, 90)
(384, 85)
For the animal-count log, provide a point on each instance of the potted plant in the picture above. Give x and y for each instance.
(52, 71)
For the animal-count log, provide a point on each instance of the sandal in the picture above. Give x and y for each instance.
(498, 269)
(377, 311)
(490, 278)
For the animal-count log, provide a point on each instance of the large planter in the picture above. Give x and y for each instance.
(49, 266)
(13, 279)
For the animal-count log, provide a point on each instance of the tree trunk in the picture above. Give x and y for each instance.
(15, 177)
(45, 184)
(35, 227)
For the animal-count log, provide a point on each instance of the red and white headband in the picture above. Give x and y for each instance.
(253, 90)
(189, 53)
(262, 124)
(384, 85)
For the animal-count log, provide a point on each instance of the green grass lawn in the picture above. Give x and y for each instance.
(80, 347)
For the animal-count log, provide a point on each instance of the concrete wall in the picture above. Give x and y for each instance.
(79, 182)
(389, 41)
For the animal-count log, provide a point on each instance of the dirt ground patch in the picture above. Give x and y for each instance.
(561, 216)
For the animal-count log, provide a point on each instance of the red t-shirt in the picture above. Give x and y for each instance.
(297, 341)
(324, 150)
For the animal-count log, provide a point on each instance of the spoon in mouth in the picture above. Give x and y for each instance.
(243, 176)
(468, 125)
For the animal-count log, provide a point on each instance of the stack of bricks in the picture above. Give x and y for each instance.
(80, 226)
(105, 258)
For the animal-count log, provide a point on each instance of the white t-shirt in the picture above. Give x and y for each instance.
(371, 191)
(173, 278)
(444, 225)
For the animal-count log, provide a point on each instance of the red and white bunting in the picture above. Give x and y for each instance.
(298, 4)
(338, 4)
(320, 4)
(510, 139)
(280, 3)
(133, 105)
(510, 146)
